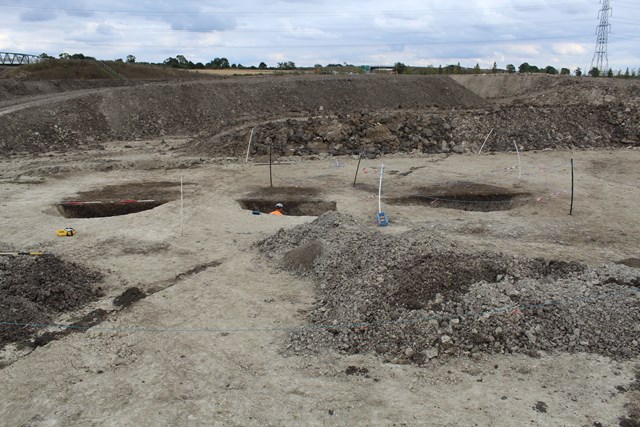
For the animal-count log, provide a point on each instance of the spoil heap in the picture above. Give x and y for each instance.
(35, 289)
(431, 131)
(418, 296)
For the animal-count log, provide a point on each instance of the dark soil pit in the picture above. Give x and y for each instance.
(34, 290)
(128, 297)
(118, 200)
(297, 201)
(468, 196)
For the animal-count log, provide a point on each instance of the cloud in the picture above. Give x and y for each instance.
(569, 48)
(321, 31)
(37, 15)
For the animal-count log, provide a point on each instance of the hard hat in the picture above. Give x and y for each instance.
(279, 205)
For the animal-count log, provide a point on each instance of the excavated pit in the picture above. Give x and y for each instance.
(467, 196)
(118, 200)
(297, 201)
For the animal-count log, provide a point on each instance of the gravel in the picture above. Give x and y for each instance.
(417, 296)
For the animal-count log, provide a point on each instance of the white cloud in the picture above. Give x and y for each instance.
(569, 48)
(320, 31)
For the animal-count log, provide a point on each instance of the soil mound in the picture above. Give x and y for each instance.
(34, 289)
(212, 106)
(418, 296)
(429, 131)
(298, 115)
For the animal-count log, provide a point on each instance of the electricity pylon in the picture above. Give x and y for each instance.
(600, 59)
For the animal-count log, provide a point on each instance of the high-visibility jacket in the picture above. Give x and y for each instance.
(276, 212)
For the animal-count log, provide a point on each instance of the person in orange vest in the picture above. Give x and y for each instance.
(279, 209)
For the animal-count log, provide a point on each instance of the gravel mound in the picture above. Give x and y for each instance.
(338, 115)
(33, 289)
(417, 296)
(213, 106)
(460, 131)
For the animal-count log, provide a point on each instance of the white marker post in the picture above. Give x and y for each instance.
(249, 146)
(381, 218)
(181, 208)
(519, 163)
(485, 141)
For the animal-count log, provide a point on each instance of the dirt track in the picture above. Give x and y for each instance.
(208, 344)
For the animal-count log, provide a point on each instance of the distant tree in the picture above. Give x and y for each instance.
(476, 69)
(262, 66)
(439, 69)
(171, 62)
(399, 67)
(550, 70)
(610, 73)
(511, 68)
(287, 65)
(494, 68)
(317, 66)
(81, 56)
(64, 55)
(627, 74)
(199, 66)
(594, 72)
(218, 63)
(633, 73)
(458, 69)
(578, 72)
(234, 66)
(524, 68)
(131, 59)
(45, 56)
(565, 71)
(184, 63)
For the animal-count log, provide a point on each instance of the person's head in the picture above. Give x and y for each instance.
(279, 206)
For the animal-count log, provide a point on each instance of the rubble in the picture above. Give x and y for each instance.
(417, 296)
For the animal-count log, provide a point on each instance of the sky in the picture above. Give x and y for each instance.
(559, 33)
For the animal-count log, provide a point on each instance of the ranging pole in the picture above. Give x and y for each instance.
(600, 59)
(572, 180)
(181, 207)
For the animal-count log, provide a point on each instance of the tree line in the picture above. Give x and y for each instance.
(180, 61)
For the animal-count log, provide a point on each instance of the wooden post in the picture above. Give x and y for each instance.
(358, 168)
(572, 180)
(270, 177)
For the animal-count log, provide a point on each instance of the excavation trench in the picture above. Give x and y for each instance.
(118, 200)
(466, 196)
(99, 209)
(297, 201)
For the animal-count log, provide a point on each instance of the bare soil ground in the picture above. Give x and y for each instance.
(196, 324)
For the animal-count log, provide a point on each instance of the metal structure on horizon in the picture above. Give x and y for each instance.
(9, 58)
(600, 59)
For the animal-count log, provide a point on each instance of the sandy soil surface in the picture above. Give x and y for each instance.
(206, 345)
